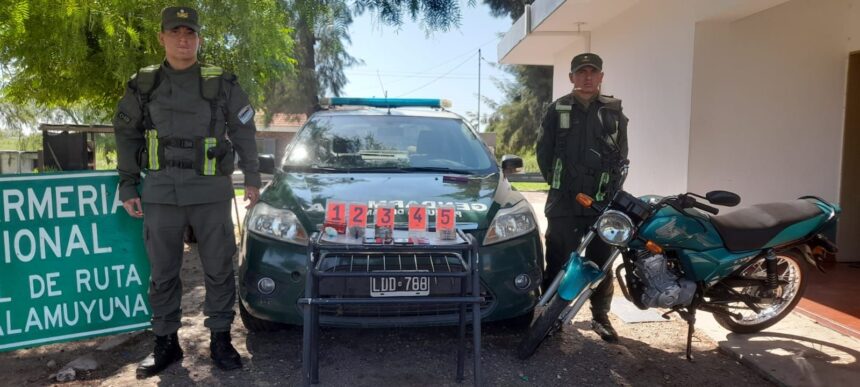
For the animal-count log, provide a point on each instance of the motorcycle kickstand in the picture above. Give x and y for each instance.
(690, 318)
(691, 328)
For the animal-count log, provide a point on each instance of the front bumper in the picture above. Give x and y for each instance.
(285, 264)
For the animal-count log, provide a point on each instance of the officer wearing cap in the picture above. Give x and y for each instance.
(181, 123)
(582, 142)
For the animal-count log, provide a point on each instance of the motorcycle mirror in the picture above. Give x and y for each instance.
(723, 198)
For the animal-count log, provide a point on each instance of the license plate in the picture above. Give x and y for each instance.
(383, 286)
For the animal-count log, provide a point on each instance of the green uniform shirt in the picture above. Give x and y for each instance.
(178, 110)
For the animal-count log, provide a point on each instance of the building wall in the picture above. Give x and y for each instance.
(648, 56)
(768, 102)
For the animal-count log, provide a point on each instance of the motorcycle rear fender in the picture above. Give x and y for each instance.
(579, 275)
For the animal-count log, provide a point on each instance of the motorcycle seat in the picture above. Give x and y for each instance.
(755, 227)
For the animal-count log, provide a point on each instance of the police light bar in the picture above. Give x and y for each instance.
(386, 102)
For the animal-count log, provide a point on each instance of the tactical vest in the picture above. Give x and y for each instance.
(213, 154)
(596, 162)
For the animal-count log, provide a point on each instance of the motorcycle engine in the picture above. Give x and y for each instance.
(663, 288)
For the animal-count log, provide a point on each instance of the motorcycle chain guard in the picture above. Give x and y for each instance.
(579, 275)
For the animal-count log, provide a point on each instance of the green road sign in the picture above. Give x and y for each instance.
(72, 262)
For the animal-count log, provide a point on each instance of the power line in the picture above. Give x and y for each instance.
(456, 57)
(436, 79)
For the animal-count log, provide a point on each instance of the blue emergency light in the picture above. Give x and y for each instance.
(386, 102)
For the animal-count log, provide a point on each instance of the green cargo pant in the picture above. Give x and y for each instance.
(163, 227)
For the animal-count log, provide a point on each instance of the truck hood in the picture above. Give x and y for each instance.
(475, 198)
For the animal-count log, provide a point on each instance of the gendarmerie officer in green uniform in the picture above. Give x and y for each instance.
(179, 123)
(580, 148)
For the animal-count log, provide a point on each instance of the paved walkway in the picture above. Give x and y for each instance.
(797, 351)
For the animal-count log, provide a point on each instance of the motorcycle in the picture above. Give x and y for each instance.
(748, 267)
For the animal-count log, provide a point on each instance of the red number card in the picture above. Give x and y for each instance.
(445, 218)
(417, 218)
(335, 212)
(357, 215)
(385, 217)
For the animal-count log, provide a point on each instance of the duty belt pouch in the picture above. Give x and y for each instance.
(152, 155)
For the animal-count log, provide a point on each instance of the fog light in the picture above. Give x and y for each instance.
(266, 285)
(522, 281)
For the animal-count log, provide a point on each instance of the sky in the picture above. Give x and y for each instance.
(407, 62)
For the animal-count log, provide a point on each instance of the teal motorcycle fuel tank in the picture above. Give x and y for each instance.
(673, 230)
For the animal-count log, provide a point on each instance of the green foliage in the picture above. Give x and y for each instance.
(322, 32)
(526, 186)
(517, 119)
(435, 14)
(71, 53)
(512, 8)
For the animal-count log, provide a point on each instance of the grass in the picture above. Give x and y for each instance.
(525, 186)
(240, 192)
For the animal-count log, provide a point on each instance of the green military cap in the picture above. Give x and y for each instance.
(587, 59)
(172, 17)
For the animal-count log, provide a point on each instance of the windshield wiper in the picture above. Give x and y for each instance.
(309, 168)
(438, 169)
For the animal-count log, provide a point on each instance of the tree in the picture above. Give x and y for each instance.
(516, 120)
(322, 31)
(321, 34)
(70, 53)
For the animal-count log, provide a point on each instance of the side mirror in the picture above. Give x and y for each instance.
(511, 164)
(723, 198)
(267, 163)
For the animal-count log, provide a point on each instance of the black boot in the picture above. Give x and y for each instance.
(166, 352)
(222, 352)
(603, 327)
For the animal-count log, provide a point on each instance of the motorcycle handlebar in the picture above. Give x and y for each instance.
(706, 208)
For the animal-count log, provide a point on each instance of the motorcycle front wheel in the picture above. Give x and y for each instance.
(791, 269)
(547, 322)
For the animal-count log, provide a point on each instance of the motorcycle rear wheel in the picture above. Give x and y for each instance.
(547, 322)
(792, 268)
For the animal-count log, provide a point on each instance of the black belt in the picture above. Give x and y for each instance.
(182, 164)
(178, 143)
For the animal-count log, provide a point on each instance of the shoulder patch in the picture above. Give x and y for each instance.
(245, 114)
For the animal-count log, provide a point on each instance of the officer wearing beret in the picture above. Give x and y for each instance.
(582, 142)
(180, 124)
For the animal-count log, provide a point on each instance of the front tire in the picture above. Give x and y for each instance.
(254, 324)
(547, 322)
(791, 267)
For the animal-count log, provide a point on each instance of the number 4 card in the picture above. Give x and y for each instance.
(417, 218)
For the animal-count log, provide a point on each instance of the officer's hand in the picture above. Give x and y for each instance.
(252, 194)
(133, 207)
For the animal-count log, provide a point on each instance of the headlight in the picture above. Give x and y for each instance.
(276, 223)
(510, 223)
(615, 228)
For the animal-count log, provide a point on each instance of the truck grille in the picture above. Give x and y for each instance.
(366, 262)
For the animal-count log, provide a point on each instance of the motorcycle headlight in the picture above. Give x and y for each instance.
(615, 228)
(510, 223)
(277, 223)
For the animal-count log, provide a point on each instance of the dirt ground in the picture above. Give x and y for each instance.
(648, 354)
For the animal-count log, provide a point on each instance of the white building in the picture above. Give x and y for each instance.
(751, 96)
